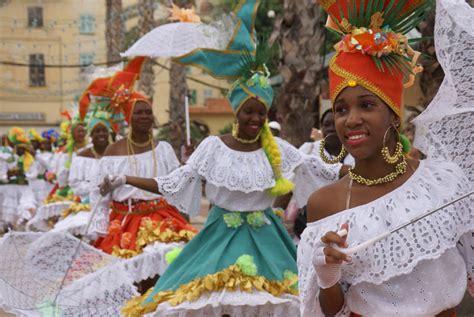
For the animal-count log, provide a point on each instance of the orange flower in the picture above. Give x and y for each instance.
(115, 226)
(125, 240)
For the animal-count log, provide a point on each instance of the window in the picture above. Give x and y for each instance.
(37, 78)
(87, 24)
(86, 59)
(192, 97)
(207, 93)
(35, 17)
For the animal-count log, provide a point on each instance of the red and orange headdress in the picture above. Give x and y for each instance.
(374, 51)
(118, 88)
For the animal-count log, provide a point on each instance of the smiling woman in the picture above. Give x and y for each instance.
(403, 274)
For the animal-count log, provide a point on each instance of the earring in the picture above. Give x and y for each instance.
(326, 159)
(235, 129)
(391, 159)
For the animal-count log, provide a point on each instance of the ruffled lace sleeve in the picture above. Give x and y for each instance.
(182, 188)
(311, 175)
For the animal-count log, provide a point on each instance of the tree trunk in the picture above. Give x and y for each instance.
(114, 31)
(178, 91)
(145, 25)
(300, 34)
(432, 75)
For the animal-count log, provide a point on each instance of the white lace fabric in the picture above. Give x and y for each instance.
(234, 304)
(415, 253)
(33, 267)
(239, 181)
(83, 175)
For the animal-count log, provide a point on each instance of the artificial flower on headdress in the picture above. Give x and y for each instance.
(374, 51)
(18, 138)
(243, 62)
(183, 15)
(118, 89)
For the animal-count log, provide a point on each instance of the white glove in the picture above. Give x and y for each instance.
(328, 274)
(110, 183)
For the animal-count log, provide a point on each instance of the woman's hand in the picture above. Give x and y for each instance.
(327, 260)
(110, 183)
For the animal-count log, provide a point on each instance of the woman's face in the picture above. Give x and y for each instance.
(251, 118)
(79, 133)
(361, 120)
(328, 129)
(142, 117)
(46, 145)
(100, 135)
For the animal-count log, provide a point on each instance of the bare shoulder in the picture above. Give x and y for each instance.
(117, 148)
(86, 153)
(327, 201)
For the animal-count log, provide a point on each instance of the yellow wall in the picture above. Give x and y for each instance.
(61, 43)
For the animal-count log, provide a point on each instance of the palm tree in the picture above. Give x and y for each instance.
(178, 91)
(299, 31)
(145, 24)
(114, 31)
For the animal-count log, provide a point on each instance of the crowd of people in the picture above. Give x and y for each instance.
(91, 208)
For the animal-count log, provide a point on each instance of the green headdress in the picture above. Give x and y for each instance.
(98, 115)
(243, 61)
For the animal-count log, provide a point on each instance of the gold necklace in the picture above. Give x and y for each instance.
(131, 154)
(400, 169)
(137, 144)
(235, 135)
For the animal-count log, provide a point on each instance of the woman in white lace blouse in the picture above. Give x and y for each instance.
(419, 270)
(243, 262)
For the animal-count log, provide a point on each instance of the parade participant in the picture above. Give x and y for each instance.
(18, 201)
(329, 147)
(418, 270)
(38, 184)
(84, 171)
(61, 196)
(35, 140)
(137, 225)
(243, 262)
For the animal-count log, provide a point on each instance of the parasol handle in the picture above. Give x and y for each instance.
(188, 125)
(365, 244)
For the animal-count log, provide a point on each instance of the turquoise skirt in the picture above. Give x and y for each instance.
(254, 245)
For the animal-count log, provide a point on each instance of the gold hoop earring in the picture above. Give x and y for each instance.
(391, 159)
(328, 160)
(235, 129)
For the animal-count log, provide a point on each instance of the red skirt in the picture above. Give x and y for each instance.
(131, 229)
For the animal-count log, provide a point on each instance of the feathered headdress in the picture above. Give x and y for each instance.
(51, 135)
(118, 89)
(244, 62)
(374, 51)
(18, 137)
(34, 135)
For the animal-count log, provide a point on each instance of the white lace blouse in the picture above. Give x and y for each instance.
(83, 175)
(418, 271)
(140, 165)
(239, 181)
